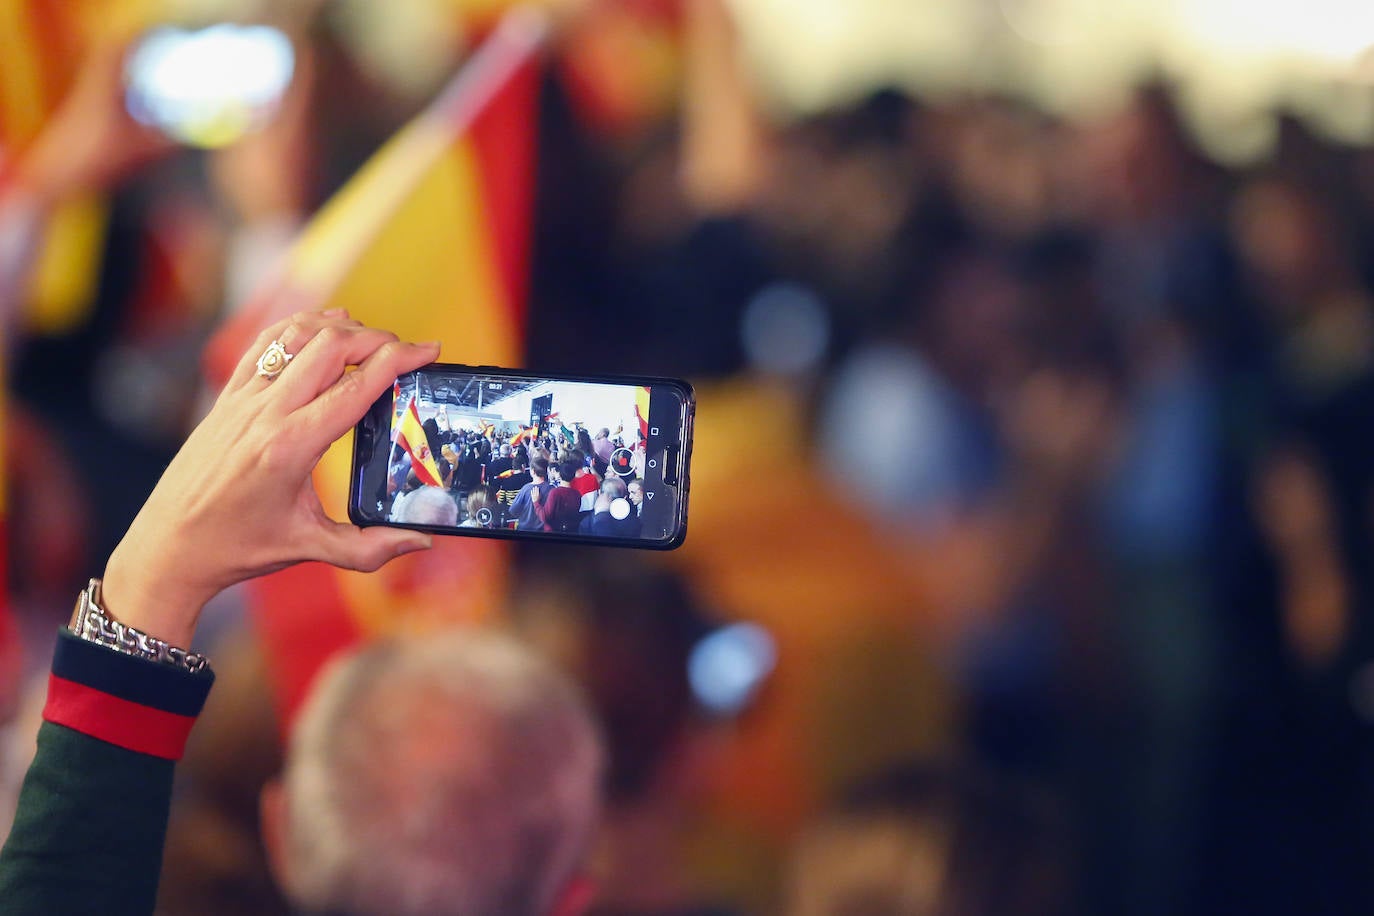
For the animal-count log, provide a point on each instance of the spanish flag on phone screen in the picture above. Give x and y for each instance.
(430, 240)
(410, 435)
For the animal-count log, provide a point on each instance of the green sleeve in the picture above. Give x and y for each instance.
(87, 836)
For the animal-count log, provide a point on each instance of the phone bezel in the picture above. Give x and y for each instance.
(362, 456)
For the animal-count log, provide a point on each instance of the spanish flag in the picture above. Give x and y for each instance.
(642, 411)
(410, 435)
(430, 239)
(527, 432)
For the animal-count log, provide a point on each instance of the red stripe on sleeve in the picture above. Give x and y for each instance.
(116, 721)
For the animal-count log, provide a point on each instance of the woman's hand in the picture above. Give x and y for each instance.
(238, 501)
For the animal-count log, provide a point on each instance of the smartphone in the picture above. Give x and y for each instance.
(208, 87)
(504, 453)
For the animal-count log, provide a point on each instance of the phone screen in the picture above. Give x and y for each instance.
(499, 453)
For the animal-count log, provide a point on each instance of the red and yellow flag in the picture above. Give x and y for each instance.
(410, 435)
(43, 43)
(430, 240)
(642, 411)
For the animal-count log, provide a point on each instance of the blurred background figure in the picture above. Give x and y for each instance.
(932, 839)
(1035, 351)
(627, 635)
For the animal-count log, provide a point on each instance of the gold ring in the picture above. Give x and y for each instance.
(273, 360)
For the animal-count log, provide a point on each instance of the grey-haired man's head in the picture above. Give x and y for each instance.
(457, 774)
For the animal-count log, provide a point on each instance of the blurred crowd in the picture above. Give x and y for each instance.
(1116, 400)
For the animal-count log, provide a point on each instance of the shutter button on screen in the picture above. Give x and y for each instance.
(621, 462)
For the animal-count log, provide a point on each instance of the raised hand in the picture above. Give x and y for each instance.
(237, 501)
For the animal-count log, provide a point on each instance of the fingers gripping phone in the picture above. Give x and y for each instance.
(505, 453)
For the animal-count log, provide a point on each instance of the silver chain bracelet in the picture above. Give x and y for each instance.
(93, 624)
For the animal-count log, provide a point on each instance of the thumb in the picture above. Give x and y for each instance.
(367, 549)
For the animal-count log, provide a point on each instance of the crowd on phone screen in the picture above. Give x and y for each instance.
(556, 481)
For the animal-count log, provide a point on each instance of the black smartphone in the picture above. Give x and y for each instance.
(506, 453)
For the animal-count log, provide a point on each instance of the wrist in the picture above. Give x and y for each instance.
(92, 623)
(159, 605)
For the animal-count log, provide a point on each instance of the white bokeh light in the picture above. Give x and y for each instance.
(207, 87)
(785, 329)
(727, 667)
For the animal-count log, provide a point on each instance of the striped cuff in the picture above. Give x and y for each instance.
(140, 705)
